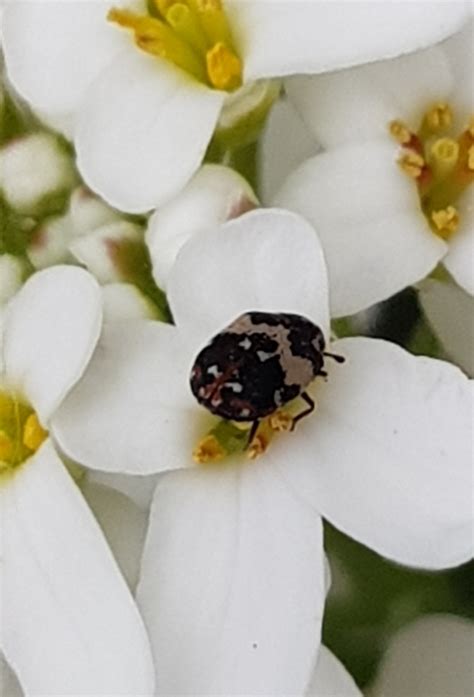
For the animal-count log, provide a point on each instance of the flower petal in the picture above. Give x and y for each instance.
(387, 457)
(330, 678)
(123, 524)
(215, 194)
(143, 130)
(284, 38)
(430, 656)
(450, 312)
(265, 260)
(133, 411)
(366, 211)
(358, 104)
(232, 586)
(460, 258)
(69, 624)
(53, 50)
(51, 329)
(8, 680)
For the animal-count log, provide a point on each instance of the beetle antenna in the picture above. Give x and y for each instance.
(338, 359)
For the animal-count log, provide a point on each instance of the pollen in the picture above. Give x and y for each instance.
(6, 446)
(441, 163)
(208, 450)
(194, 35)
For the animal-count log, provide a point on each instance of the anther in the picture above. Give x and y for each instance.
(412, 163)
(223, 68)
(281, 421)
(33, 433)
(6, 446)
(446, 221)
(257, 447)
(470, 158)
(208, 450)
(438, 118)
(400, 132)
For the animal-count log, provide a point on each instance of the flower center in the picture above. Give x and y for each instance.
(192, 34)
(440, 162)
(232, 437)
(21, 433)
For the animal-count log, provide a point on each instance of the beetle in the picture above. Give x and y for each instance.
(258, 363)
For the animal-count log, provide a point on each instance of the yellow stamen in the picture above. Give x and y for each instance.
(163, 6)
(400, 132)
(157, 38)
(258, 446)
(223, 68)
(412, 163)
(33, 433)
(446, 221)
(186, 25)
(438, 118)
(6, 446)
(470, 158)
(281, 421)
(470, 127)
(208, 450)
(213, 21)
(444, 155)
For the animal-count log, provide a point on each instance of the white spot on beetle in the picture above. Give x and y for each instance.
(214, 371)
(234, 386)
(264, 356)
(246, 343)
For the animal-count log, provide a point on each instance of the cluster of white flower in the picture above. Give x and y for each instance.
(164, 330)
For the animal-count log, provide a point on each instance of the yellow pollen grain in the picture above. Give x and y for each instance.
(208, 450)
(412, 163)
(6, 446)
(400, 132)
(257, 447)
(223, 67)
(33, 433)
(446, 221)
(281, 421)
(438, 118)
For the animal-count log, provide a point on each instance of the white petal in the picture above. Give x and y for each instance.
(51, 329)
(215, 194)
(123, 524)
(139, 488)
(265, 260)
(450, 312)
(11, 276)
(387, 457)
(359, 103)
(460, 51)
(143, 131)
(330, 678)
(284, 38)
(232, 586)
(460, 258)
(133, 411)
(53, 50)
(430, 657)
(367, 214)
(69, 624)
(285, 144)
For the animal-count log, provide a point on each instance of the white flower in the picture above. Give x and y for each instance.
(430, 656)
(32, 168)
(215, 194)
(232, 583)
(331, 679)
(450, 311)
(141, 124)
(69, 624)
(382, 228)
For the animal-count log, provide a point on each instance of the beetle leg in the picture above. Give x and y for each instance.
(338, 359)
(253, 431)
(311, 407)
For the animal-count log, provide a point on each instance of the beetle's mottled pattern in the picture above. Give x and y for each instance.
(258, 363)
